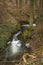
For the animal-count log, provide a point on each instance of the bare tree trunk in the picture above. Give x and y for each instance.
(20, 3)
(40, 7)
(31, 11)
(17, 3)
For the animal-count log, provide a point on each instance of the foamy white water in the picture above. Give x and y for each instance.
(15, 45)
(26, 25)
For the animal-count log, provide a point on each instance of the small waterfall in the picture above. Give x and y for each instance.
(15, 37)
(15, 48)
(15, 45)
(27, 25)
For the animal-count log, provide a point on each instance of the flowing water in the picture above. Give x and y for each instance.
(14, 45)
(27, 25)
(14, 48)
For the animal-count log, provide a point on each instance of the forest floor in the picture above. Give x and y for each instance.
(8, 25)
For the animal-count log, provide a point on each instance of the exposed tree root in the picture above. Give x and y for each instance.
(25, 55)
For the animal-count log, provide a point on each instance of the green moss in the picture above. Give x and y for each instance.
(42, 49)
(27, 34)
(29, 63)
(31, 28)
(7, 30)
